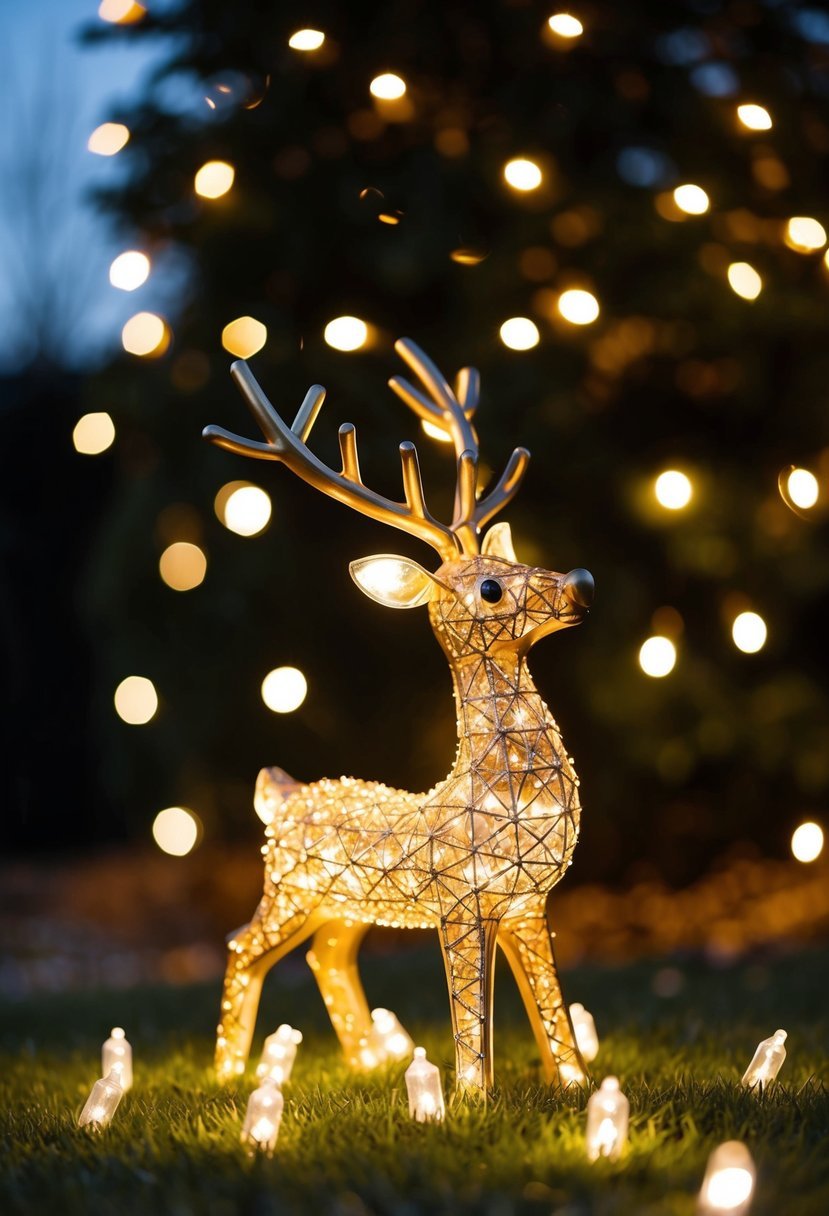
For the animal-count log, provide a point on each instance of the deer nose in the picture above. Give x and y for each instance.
(579, 587)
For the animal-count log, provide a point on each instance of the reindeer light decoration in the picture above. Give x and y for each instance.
(476, 856)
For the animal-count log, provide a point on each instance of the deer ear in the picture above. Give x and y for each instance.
(396, 582)
(498, 543)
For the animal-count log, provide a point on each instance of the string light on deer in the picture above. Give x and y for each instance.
(728, 1185)
(584, 1028)
(117, 1053)
(766, 1062)
(474, 857)
(102, 1102)
(608, 1111)
(263, 1117)
(424, 1089)
(278, 1054)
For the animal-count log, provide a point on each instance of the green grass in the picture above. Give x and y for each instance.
(347, 1146)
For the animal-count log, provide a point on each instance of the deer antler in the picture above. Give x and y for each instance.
(288, 444)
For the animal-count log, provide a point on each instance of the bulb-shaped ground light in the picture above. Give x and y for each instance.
(387, 1038)
(584, 1029)
(117, 1053)
(728, 1184)
(767, 1062)
(279, 1053)
(102, 1102)
(263, 1117)
(607, 1121)
(424, 1089)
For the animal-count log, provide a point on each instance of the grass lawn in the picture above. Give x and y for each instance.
(347, 1146)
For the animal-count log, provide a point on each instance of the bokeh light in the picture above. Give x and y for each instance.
(803, 488)
(657, 656)
(306, 40)
(565, 25)
(176, 830)
(93, 434)
(754, 117)
(807, 841)
(108, 138)
(284, 689)
(244, 337)
(387, 87)
(744, 280)
(435, 432)
(136, 700)
(673, 490)
(346, 333)
(182, 566)
(523, 174)
(145, 334)
(214, 179)
(691, 199)
(805, 234)
(129, 270)
(519, 333)
(243, 508)
(121, 12)
(577, 306)
(749, 632)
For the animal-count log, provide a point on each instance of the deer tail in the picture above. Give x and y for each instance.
(273, 787)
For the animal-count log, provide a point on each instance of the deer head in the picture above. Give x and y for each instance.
(481, 598)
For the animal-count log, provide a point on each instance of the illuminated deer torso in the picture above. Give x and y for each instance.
(476, 856)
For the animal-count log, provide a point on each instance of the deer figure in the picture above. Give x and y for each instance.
(476, 856)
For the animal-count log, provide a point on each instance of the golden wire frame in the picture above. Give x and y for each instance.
(476, 856)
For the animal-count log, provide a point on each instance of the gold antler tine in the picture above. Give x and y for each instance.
(415, 400)
(412, 481)
(427, 371)
(468, 389)
(307, 413)
(348, 450)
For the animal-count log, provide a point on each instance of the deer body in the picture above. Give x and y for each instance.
(476, 856)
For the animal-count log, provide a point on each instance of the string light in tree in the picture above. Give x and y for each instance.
(691, 199)
(766, 1062)
(519, 333)
(279, 1053)
(424, 1089)
(807, 842)
(673, 490)
(93, 434)
(388, 86)
(121, 12)
(214, 179)
(804, 234)
(129, 270)
(108, 139)
(608, 1111)
(728, 1185)
(584, 1028)
(145, 334)
(749, 632)
(306, 40)
(657, 656)
(263, 1117)
(102, 1102)
(116, 1053)
(565, 25)
(523, 174)
(802, 488)
(754, 117)
(136, 700)
(182, 566)
(176, 830)
(578, 306)
(744, 280)
(244, 337)
(284, 689)
(346, 333)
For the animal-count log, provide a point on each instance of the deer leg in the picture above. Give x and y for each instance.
(468, 945)
(528, 945)
(252, 951)
(333, 960)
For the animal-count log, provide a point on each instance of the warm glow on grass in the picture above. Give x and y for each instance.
(182, 566)
(108, 139)
(129, 270)
(121, 12)
(176, 830)
(214, 179)
(243, 508)
(749, 632)
(807, 842)
(306, 40)
(744, 280)
(756, 118)
(673, 490)
(565, 25)
(803, 488)
(578, 307)
(145, 334)
(244, 337)
(691, 199)
(805, 234)
(522, 174)
(136, 700)
(519, 333)
(387, 87)
(93, 434)
(657, 657)
(284, 689)
(346, 333)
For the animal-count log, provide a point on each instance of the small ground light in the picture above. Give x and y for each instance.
(424, 1089)
(136, 700)
(756, 118)
(279, 1053)
(744, 280)
(214, 179)
(523, 174)
(93, 434)
(346, 333)
(608, 1111)
(244, 337)
(657, 657)
(121, 12)
(729, 1181)
(108, 139)
(519, 333)
(145, 334)
(387, 87)
(584, 1028)
(578, 307)
(306, 40)
(176, 830)
(766, 1062)
(263, 1117)
(129, 270)
(749, 632)
(565, 25)
(182, 566)
(805, 234)
(807, 842)
(673, 490)
(803, 488)
(116, 1053)
(284, 689)
(102, 1102)
(691, 199)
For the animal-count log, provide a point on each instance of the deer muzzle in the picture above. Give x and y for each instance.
(579, 588)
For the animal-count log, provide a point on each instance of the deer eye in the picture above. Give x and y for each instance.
(491, 590)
